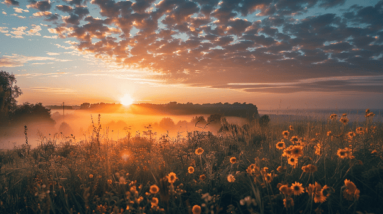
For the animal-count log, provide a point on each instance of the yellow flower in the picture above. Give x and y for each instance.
(294, 139)
(154, 202)
(233, 160)
(309, 168)
(202, 177)
(191, 170)
(293, 161)
(230, 178)
(342, 153)
(281, 145)
(288, 202)
(154, 189)
(285, 134)
(90, 176)
(268, 177)
(297, 188)
(199, 151)
(333, 116)
(196, 209)
(172, 177)
(297, 151)
(291, 128)
(344, 120)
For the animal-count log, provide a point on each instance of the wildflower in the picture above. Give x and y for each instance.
(344, 115)
(281, 169)
(297, 188)
(326, 191)
(154, 189)
(196, 209)
(293, 161)
(172, 177)
(230, 178)
(319, 197)
(342, 153)
(154, 202)
(370, 114)
(109, 181)
(90, 176)
(268, 177)
(191, 170)
(233, 160)
(309, 168)
(288, 202)
(264, 169)
(344, 120)
(333, 116)
(199, 151)
(281, 145)
(284, 189)
(202, 177)
(291, 128)
(350, 186)
(359, 130)
(294, 139)
(374, 151)
(252, 168)
(351, 135)
(297, 151)
(329, 133)
(287, 152)
(285, 134)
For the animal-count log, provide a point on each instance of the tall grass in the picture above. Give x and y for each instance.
(101, 175)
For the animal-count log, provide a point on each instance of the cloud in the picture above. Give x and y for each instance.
(50, 37)
(15, 14)
(16, 60)
(4, 30)
(11, 2)
(53, 90)
(210, 43)
(40, 5)
(3, 12)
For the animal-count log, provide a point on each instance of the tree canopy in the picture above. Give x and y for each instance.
(9, 91)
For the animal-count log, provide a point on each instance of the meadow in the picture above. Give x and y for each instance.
(302, 166)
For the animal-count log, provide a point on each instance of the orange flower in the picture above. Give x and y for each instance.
(281, 145)
(351, 135)
(199, 151)
(297, 151)
(268, 177)
(294, 139)
(342, 153)
(293, 161)
(202, 177)
(291, 128)
(191, 170)
(284, 189)
(233, 160)
(344, 120)
(154, 189)
(252, 169)
(333, 116)
(110, 181)
(318, 149)
(90, 176)
(287, 152)
(359, 130)
(297, 188)
(230, 178)
(288, 202)
(196, 209)
(309, 168)
(172, 177)
(154, 202)
(285, 134)
(329, 133)
(281, 169)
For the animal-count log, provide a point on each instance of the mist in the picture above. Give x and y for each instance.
(76, 125)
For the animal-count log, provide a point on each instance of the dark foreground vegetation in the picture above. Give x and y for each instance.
(261, 167)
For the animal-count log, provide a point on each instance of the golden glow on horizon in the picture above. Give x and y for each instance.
(126, 100)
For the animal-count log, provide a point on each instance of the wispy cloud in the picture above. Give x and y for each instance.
(16, 60)
(54, 90)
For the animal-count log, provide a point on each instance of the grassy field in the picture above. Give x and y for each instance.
(299, 167)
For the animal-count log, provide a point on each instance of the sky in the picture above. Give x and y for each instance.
(272, 53)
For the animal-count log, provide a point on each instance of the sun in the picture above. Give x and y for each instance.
(126, 100)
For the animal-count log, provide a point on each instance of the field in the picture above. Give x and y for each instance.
(299, 167)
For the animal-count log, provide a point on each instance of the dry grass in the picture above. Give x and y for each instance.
(333, 167)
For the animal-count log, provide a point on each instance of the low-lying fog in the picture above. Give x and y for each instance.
(113, 125)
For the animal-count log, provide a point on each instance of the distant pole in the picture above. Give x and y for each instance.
(63, 111)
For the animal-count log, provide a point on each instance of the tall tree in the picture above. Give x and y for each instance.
(9, 91)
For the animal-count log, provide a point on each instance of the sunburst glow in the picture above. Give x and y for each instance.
(126, 100)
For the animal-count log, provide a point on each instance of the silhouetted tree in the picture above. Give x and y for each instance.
(9, 91)
(30, 112)
(264, 120)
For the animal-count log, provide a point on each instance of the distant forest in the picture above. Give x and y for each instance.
(236, 109)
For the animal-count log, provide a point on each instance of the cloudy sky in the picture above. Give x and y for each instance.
(273, 53)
